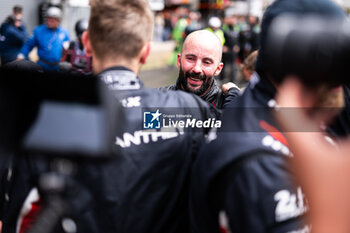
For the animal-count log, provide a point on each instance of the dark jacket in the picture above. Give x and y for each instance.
(214, 96)
(145, 188)
(11, 41)
(243, 175)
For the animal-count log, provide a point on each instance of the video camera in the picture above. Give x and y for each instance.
(314, 48)
(57, 115)
(63, 124)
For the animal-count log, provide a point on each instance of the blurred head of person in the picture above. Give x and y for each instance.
(199, 62)
(55, 2)
(324, 95)
(252, 19)
(194, 16)
(120, 32)
(248, 66)
(300, 8)
(53, 17)
(15, 20)
(230, 20)
(80, 27)
(17, 10)
(214, 23)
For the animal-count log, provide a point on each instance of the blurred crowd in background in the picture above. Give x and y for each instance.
(238, 32)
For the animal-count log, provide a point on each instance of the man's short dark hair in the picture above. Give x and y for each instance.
(17, 9)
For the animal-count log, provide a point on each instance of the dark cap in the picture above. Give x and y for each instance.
(323, 8)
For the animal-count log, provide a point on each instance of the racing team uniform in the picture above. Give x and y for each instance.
(50, 46)
(145, 188)
(241, 180)
(214, 96)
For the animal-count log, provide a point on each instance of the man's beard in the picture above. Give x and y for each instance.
(183, 77)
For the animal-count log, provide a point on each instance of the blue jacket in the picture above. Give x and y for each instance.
(13, 39)
(49, 43)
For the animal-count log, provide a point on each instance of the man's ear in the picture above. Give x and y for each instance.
(219, 69)
(85, 38)
(178, 60)
(146, 49)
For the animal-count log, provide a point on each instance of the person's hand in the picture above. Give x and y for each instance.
(20, 57)
(293, 101)
(306, 109)
(321, 169)
(227, 86)
(65, 45)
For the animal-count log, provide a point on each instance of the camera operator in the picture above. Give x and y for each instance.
(248, 186)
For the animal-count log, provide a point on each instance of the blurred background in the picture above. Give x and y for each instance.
(173, 20)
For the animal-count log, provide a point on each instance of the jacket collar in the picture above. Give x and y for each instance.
(120, 78)
(209, 95)
(264, 91)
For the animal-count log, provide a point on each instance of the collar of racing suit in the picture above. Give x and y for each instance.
(120, 78)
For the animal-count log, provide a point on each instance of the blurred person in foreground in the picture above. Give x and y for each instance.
(145, 188)
(248, 186)
(50, 39)
(321, 167)
(15, 176)
(199, 62)
(13, 34)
